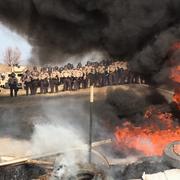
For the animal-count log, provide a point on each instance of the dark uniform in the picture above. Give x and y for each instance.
(112, 71)
(27, 79)
(43, 79)
(13, 84)
(101, 75)
(54, 80)
(84, 78)
(88, 73)
(35, 80)
(93, 76)
(106, 76)
(75, 85)
(77, 78)
(67, 76)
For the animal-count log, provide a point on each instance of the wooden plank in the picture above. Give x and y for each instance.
(39, 156)
(40, 162)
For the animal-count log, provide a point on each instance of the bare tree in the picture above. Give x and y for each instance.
(12, 56)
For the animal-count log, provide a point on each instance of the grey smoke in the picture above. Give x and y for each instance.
(155, 58)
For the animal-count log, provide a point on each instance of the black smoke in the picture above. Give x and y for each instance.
(139, 30)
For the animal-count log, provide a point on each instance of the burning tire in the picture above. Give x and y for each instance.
(85, 172)
(171, 156)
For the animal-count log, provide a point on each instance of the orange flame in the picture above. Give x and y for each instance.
(176, 98)
(159, 128)
(151, 138)
(175, 74)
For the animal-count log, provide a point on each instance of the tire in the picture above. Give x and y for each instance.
(170, 156)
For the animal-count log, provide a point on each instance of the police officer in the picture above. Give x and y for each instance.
(91, 74)
(61, 78)
(111, 71)
(13, 84)
(106, 76)
(35, 80)
(84, 80)
(43, 79)
(88, 68)
(70, 78)
(75, 85)
(67, 74)
(54, 80)
(101, 75)
(27, 79)
(116, 74)
(79, 65)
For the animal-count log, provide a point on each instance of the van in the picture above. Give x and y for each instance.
(4, 80)
(19, 70)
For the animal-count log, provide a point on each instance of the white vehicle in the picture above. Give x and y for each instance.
(19, 70)
(4, 80)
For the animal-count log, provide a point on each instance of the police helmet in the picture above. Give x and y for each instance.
(13, 74)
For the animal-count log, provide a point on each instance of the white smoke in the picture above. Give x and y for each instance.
(53, 138)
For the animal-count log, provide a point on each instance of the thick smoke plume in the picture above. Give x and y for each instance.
(138, 30)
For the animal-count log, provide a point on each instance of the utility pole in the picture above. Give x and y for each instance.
(90, 123)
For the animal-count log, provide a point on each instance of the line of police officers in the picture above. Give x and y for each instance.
(93, 73)
(43, 79)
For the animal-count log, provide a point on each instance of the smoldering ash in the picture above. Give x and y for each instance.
(138, 30)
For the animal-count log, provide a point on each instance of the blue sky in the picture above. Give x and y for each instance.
(9, 38)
